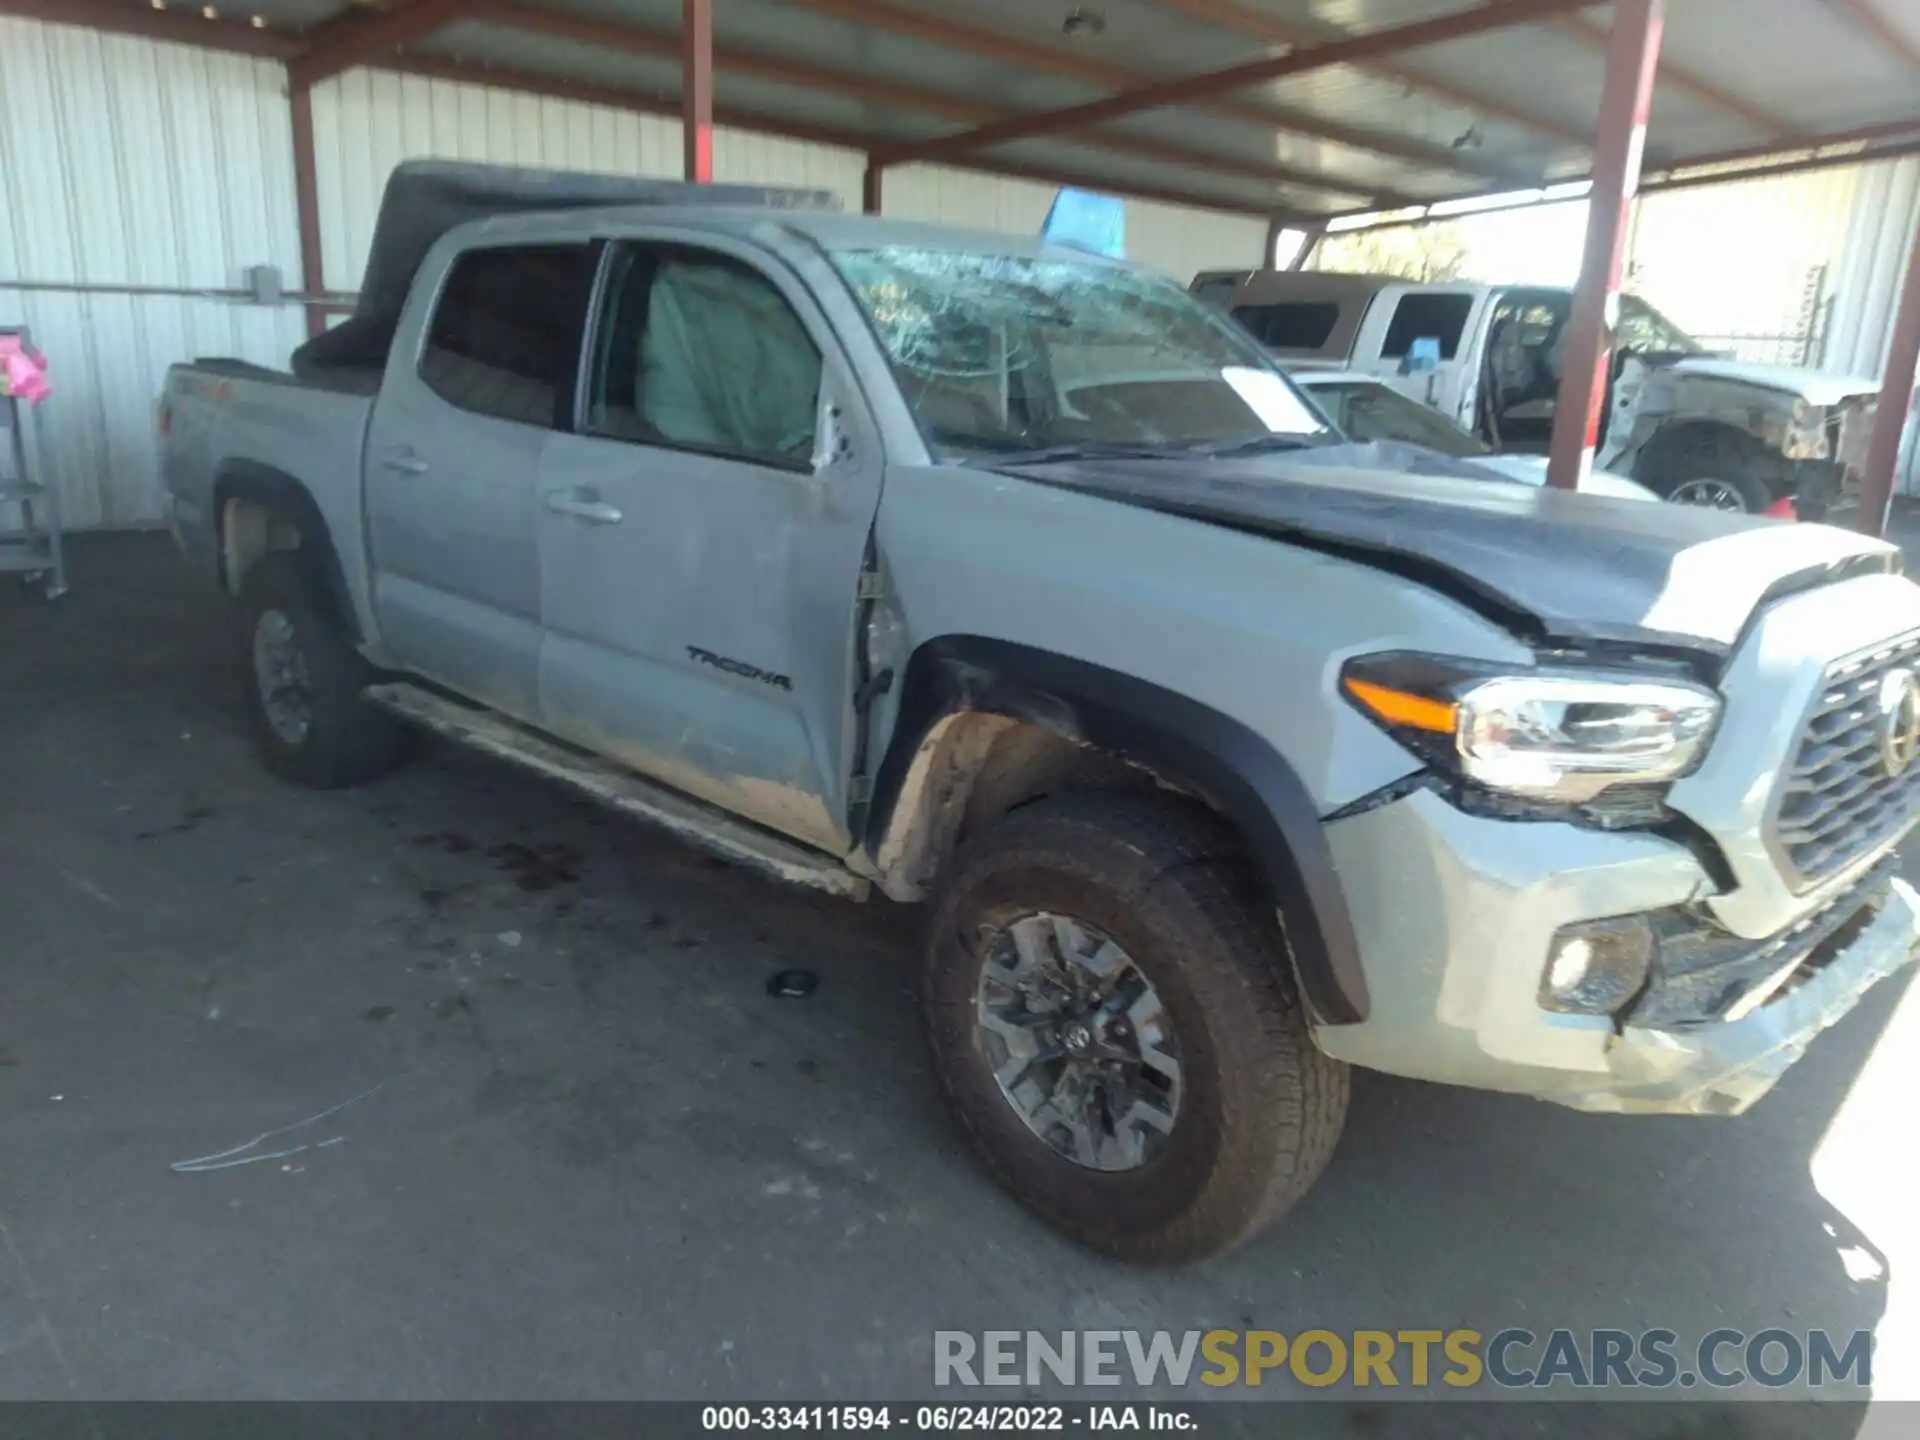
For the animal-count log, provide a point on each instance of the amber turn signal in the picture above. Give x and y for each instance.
(1398, 707)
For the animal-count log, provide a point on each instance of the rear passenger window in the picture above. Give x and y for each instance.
(506, 331)
(1424, 317)
(1296, 325)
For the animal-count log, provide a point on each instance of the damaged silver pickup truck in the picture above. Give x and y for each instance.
(1017, 581)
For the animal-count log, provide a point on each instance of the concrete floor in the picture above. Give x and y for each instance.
(587, 1155)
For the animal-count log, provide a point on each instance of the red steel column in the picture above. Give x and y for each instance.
(1633, 55)
(696, 89)
(306, 204)
(1896, 399)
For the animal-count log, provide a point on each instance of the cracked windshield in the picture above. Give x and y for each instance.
(1020, 359)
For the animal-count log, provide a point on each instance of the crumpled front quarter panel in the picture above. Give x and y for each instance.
(1249, 626)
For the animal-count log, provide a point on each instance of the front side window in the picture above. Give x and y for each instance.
(506, 331)
(999, 354)
(1424, 316)
(700, 351)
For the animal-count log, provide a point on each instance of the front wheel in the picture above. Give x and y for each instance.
(1739, 493)
(1113, 1018)
(303, 681)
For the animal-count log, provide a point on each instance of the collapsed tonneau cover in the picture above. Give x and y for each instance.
(426, 198)
(1556, 567)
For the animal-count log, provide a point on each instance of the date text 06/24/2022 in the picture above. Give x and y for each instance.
(982, 1419)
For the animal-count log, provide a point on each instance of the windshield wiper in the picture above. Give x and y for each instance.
(1085, 450)
(1259, 445)
(1148, 450)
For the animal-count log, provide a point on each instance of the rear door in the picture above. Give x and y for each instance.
(481, 369)
(701, 541)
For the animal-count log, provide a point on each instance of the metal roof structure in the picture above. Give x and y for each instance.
(1299, 110)
(1310, 113)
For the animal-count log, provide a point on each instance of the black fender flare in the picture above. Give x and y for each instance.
(1190, 744)
(279, 491)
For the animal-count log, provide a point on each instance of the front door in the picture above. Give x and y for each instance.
(1416, 339)
(453, 461)
(1525, 339)
(699, 561)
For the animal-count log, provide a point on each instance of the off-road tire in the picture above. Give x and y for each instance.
(1262, 1107)
(347, 741)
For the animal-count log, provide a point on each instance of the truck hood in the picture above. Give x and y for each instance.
(1550, 566)
(1814, 386)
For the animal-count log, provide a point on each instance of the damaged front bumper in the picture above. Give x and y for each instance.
(1456, 914)
(1722, 1067)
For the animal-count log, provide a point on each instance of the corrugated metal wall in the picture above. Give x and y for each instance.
(125, 162)
(1171, 238)
(365, 122)
(1871, 264)
(1867, 279)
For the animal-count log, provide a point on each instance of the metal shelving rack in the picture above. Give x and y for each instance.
(33, 551)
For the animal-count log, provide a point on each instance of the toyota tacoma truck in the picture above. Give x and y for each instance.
(1694, 427)
(1015, 581)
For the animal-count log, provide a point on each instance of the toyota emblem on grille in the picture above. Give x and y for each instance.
(1899, 721)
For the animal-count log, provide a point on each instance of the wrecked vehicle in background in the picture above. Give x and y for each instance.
(996, 576)
(1691, 426)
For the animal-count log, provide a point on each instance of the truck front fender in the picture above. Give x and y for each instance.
(1187, 744)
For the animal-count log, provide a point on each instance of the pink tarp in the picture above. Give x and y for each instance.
(23, 371)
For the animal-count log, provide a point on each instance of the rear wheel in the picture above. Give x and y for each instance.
(304, 680)
(1114, 1021)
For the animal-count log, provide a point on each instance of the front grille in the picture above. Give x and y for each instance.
(1837, 802)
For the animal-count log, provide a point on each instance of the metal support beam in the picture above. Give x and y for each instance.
(646, 102)
(696, 89)
(1315, 234)
(306, 204)
(872, 90)
(1896, 400)
(1354, 50)
(914, 23)
(1272, 29)
(378, 34)
(1633, 56)
(870, 188)
(1682, 81)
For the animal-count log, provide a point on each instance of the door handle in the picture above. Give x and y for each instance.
(581, 506)
(404, 462)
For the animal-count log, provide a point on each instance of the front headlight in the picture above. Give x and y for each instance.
(1559, 737)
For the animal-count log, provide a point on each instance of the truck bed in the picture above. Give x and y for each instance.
(339, 379)
(232, 426)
